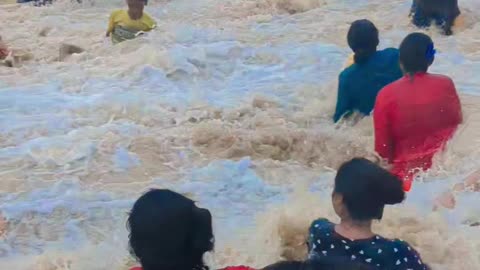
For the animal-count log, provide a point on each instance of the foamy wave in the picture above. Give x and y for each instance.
(282, 233)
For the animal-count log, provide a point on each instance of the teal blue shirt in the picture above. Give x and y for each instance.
(359, 84)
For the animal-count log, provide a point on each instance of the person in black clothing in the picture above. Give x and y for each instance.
(318, 265)
(442, 12)
(362, 189)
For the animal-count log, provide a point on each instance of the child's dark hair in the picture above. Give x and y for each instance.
(168, 232)
(333, 264)
(416, 53)
(363, 40)
(366, 189)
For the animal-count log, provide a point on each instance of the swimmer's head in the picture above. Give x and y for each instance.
(168, 231)
(136, 5)
(362, 189)
(417, 53)
(363, 39)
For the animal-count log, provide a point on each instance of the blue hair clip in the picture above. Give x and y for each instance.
(430, 54)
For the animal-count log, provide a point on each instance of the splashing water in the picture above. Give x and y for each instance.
(228, 102)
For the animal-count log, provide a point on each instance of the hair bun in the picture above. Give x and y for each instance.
(391, 190)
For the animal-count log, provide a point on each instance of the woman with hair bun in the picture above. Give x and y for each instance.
(370, 71)
(362, 189)
(169, 232)
(415, 116)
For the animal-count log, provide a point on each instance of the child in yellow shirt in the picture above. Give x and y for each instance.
(128, 24)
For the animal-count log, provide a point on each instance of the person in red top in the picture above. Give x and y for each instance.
(415, 116)
(169, 232)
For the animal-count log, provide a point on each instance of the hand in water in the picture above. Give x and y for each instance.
(472, 182)
(447, 199)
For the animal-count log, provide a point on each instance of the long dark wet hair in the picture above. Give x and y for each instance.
(417, 53)
(366, 188)
(168, 232)
(363, 39)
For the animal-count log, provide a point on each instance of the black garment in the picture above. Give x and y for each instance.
(379, 252)
(442, 12)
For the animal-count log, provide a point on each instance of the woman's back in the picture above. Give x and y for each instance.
(359, 84)
(425, 112)
(377, 251)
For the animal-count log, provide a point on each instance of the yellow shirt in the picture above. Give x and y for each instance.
(350, 61)
(122, 27)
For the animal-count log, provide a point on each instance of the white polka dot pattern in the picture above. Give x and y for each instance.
(377, 251)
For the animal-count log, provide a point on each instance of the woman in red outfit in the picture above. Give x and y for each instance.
(169, 232)
(416, 115)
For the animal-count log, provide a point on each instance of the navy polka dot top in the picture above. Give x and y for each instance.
(378, 252)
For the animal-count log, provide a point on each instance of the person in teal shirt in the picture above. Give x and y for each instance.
(360, 83)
